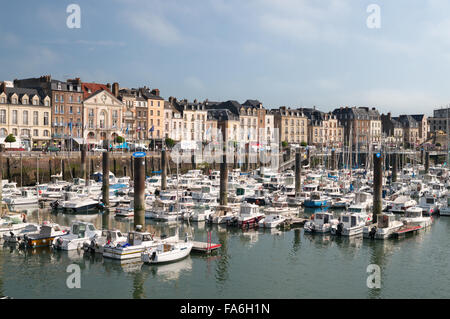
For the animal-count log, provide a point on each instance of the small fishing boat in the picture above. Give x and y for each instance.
(108, 237)
(429, 203)
(414, 217)
(271, 221)
(383, 229)
(249, 215)
(317, 200)
(321, 223)
(351, 224)
(47, 233)
(166, 252)
(80, 232)
(445, 208)
(27, 197)
(13, 222)
(401, 204)
(136, 243)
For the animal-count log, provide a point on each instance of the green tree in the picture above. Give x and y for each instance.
(284, 144)
(10, 139)
(304, 144)
(119, 139)
(170, 142)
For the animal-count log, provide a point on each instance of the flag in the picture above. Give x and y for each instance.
(152, 129)
(127, 130)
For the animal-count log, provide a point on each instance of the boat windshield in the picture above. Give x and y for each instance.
(355, 209)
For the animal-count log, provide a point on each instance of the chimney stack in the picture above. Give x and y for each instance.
(115, 89)
(108, 85)
(155, 92)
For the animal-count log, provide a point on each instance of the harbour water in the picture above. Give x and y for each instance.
(250, 264)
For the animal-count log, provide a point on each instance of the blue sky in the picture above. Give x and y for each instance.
(282, 52)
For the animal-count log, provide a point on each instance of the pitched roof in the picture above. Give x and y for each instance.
(90, 88)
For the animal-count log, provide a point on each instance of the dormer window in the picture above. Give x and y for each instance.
(24, 100)
(3, 100)
(14, 100)
(59, 85)
(35, 101)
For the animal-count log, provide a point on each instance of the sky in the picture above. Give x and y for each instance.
(294, 53)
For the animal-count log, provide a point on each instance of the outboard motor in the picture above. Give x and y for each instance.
(372, 232)
(340, 228)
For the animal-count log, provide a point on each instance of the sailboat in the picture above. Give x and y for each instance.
(168, 251)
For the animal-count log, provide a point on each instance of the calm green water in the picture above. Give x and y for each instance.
(252, 264)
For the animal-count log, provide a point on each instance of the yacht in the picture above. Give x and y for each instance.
(321, 223)
(80, 233)
(386, 225)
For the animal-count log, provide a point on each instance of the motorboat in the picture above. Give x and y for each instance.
(47, 233)
(429, 203)
(166, 252)
(386, 225)
(321, 222)
(351, 223)
(249, 215)
(76, 204)
(27, 197)
(80, 232)
(445, 208)
(414, 217)
(13, 222)
(136, 243)
(17, 235)
(401, 204)
(271, 221)
(108, 237)
(317, 200)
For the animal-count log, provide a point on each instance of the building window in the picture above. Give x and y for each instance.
(71, 110)
(3, 116)
(14, 131)
(3, 100)
(46, 118)
(25, 118)
(35, 118)
(61, 109)
(35, 101)
(14, 117)
(35, 133)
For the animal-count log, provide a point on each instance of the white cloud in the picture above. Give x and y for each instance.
(155, 27)
(194, 83)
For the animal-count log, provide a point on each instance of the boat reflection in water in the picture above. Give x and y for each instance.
(169, 271)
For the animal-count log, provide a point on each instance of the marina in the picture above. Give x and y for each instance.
(184, 227)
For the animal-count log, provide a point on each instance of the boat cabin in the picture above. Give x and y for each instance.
(322, 218)
(137, 238)
(351, 220)
(248, 209)
(83, 229)
(385, 220)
